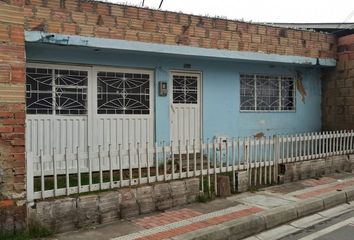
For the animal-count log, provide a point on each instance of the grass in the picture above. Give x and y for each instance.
(35, 230)
(207, 196)
(73, 180)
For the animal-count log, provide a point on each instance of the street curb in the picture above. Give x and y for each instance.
(256, 223)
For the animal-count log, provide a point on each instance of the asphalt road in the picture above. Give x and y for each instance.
(336, 228)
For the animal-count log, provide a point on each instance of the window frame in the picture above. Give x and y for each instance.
(279, 76)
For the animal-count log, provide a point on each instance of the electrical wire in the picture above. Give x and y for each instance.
(160, 4)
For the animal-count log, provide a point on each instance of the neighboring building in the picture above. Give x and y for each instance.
(76, 73)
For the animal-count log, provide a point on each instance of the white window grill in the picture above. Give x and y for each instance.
(271, 93)
(185, 89)
(123, 93)
(56, 91)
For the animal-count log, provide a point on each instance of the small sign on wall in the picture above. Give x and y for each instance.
(162, 89)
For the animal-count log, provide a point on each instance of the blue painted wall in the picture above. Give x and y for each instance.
(220, 90)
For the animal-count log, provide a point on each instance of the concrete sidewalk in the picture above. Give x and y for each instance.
(239, 216)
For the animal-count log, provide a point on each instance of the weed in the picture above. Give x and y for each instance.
(35, 230)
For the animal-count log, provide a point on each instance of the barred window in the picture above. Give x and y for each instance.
(185, 89)
(56, 91)
(267, 92)
(123, 93)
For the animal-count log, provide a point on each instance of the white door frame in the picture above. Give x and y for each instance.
(200, 97)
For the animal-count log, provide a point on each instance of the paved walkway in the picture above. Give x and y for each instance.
(174, 222)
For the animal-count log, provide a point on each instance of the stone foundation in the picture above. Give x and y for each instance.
(291, 172)
(70, 213)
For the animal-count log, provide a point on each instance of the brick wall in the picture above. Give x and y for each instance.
(106, 20)
(338, 89)
(12, 117)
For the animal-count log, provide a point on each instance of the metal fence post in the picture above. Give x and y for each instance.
(276, 149)
(29, 178)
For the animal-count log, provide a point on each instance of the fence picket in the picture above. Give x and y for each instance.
(78, 170)
(233, 165)
(208, 166)
(55, 172)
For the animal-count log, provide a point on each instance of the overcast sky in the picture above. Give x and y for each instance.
(262, 10)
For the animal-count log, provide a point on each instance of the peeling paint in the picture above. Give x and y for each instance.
(259, 135)
(300, 86)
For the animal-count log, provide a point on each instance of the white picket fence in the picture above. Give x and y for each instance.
(99, 169)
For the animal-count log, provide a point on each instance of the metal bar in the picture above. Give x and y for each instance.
(180, 158)
(139, 161)
(270, 159)
(156, 162)
(220, 155)
(261, 161)
(201, 152)
(42, 173)
(238, 155)
(215, 175)
(90, 167)
(247, 154)
(148, 162)
(187, 152)
(164, 160)
(110, 164)
(208, 166)
(227, 154)
(29, 176)
(78, 170)
(100, 160)
(296, 148)
(292, 148)
(130, 165)
(172, 161)
(194, 159)
(55, 173)
(66, 171)
(120, 165)
(255, 161)
(351, 141)
(233, 166)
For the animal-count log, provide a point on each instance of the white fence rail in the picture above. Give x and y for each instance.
(73, 172)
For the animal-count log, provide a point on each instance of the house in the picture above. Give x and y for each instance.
(83, 74)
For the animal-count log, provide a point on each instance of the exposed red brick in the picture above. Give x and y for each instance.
(7, 203)
(6, 129)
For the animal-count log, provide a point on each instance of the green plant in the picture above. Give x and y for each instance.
(207, 195)
(35, 230)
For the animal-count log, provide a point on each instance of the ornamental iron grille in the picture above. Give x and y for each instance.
(267, 93)
(56, 91)
(123, 93)
(185, 89)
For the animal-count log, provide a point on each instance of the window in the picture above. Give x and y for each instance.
(185, 89)
(123, 93)
(267, 93)
(56, 91)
